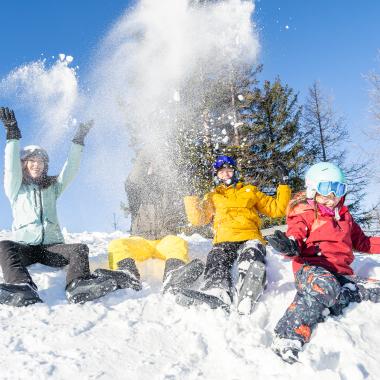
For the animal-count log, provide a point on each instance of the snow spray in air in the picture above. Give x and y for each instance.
(49, 93)
(147, 75)
(149, 68)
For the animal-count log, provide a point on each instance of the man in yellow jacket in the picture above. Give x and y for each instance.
(234, 208)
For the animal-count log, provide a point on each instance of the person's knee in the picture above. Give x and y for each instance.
(217, 260)
(215, 256)
(82, 250)
(5, 245)
(7, 250)
(319, 284)
(252, 254)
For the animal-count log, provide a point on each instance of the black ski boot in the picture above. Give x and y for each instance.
(179, 275)
(287, 349)
(250, 285)
(126, 275)
(191, 297)
(82, 290)
(18, 295)
(215, 295)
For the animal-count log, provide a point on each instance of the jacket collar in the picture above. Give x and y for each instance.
(223, 188)
(326, 211)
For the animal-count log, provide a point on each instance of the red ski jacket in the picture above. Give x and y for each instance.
(325, 241)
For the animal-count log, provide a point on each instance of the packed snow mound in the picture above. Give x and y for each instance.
(146, 335)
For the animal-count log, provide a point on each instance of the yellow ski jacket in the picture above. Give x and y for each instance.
(235, 210)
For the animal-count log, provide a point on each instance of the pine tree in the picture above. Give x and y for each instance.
(271, 134)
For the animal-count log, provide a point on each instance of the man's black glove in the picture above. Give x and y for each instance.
(281, 172)
(8, 118)
(82, 131)
(281, 243)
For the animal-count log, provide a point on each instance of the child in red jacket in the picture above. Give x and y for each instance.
(321, 237)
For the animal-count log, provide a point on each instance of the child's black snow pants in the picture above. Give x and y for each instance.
(319, 293)
(222, 257)
(15, 257)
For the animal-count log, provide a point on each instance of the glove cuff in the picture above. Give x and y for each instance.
(78, 140)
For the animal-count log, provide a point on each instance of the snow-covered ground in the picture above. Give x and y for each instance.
(145, 335)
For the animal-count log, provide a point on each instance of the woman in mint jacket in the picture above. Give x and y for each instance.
(37, 236)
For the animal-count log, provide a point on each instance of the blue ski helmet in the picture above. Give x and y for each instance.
(323, 173)
(225, 162)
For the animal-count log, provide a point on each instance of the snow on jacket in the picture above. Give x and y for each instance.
(34, 210)
(235, 210)
(325, 241)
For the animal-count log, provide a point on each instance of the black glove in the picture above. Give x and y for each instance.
(281, 173)
(281, 243)
(369, 294)
(8, 118)
(82, 131)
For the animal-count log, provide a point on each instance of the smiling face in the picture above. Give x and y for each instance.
(330, 201)
(34, 167)
(224, 174)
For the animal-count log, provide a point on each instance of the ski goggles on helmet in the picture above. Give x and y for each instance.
(224, 162)
(34, 151)
(337, 188)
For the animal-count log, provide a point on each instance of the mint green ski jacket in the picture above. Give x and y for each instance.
(34, 210)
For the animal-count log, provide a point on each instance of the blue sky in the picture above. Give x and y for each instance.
(335, 42)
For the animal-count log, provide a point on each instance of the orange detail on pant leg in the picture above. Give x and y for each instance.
(318, 289)
(304, 331)
(292, 306)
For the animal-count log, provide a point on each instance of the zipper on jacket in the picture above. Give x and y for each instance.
(35, 197)
(41, 216)
(336, 224)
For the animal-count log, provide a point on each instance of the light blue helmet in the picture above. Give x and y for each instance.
(34, 151)
(322, 172)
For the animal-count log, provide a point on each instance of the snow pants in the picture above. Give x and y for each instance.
(223, 256)
(140, 249)
(319, 293)
(15, 257)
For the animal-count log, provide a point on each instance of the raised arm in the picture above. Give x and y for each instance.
(274, 207)
(71, 166)
(12, 163)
